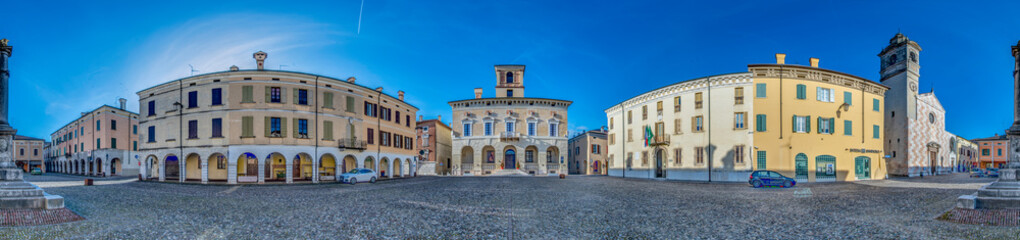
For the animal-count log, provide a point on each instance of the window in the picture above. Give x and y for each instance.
(397, 117)
(327, 100)
(738, 96)
(760, 122)
(327, 130)
(98, 122)
(247, 127)
(677, 126)
(644, 158)
(739, 119)
(644, 112)
(98, 145)
(658, 108)
(610, 123)
(759, 90)
(275, 128)
(629, 119)
(825, 125)
(699, 155)
(531, 129)
(247, 95)
(193, 99)
(35, 152)
(275, 95)
(370, 109)
(874, 104)
(509, 126)
(467, 129)
(677, 155)
(801, 91)
(848, 127)
(801, 124)
(217, 127)
(697, 124)
(21, 152)
(371, 136)
(302, 128)
(217, 96)
(913, 57)
(630, 135)
(697, 100)
(113, 124)
(152, 108)
(761, 160)
(931, 119)
(193, 129)
(134, 145)
(874, 131)
(302, 95)
(488, 129)
(848, 98)
(113, 143)
(738, 154)
(612, 138)
(407, 120)
(509, 77)
(350, 104)
(999, 151)
(221, 162)
(134, 129)
(509, 93)
(824, 94)
(985, 152)
(529, 156)
(676, 104)
(553, 129)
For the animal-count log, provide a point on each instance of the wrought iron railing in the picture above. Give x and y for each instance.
(351, 143)
(509, 136)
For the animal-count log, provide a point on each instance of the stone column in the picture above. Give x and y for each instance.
(204, 162)
(262, 168)
(1013, 133)
(315, 170)
(289, 168)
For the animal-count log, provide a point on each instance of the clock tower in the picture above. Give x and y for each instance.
(900, 71)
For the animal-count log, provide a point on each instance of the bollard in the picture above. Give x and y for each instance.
(88, 182)
(563, 176)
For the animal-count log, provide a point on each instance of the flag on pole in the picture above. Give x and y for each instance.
(648, 135)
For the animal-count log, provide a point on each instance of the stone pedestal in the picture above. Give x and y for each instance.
(1001, 194)
(15, 193)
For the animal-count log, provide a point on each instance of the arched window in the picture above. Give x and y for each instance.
(509, 77)
(801, 162)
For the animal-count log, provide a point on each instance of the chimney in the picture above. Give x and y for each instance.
(421, 118)
(351, 79)
(814, 62)
(400, 95)
(260, 58)
(123, 103)
(478, 93)
(86, 113)
(378, 89)
(234, 68)
(439, 118)
(780, 58)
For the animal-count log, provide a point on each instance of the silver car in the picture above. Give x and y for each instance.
(358, 175)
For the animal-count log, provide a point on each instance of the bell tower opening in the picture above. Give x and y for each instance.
(509, 81)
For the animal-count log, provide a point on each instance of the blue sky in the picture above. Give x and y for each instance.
(74, 56)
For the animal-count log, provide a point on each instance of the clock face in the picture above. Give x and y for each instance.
(913, 86)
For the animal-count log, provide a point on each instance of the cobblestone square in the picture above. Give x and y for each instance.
(510, 208)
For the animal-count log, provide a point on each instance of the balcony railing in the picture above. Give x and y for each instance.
(659, 140)
(350, 143)
(509, 136)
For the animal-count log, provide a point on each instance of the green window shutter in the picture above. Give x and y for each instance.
(327, 128)
(760, 122)
(296, 95)
(819, 125)
(760, 90)
(352, 132)
(350, 104)
(794, 128)
(327, 100)
(269, 91)
(246, 127)
(283, 96)
(268, 123)
(801, 91)
(848, 98)
(848, 127)
(283, 127)
(296, 125)
(807, 124)
(832, 125)
(874, 131)
(875, 102)
(246, 94)
(761, 160)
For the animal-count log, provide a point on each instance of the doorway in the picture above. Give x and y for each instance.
(658, 164)
(510, 159)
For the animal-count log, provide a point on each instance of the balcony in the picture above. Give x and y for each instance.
(659, 140)
(351, 143)
(509, 137)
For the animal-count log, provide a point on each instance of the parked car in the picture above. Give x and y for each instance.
(36, 171)
(977, 172)
(992, 172)
(358, 175)
(763, 178)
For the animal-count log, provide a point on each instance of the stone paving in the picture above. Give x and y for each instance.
(506, 208)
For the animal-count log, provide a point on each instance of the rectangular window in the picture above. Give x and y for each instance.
(327, 130)
(217, 128)
(327, 100)
(397, 117)
(644, 112)
(801, 91)
(134, 146)
(152, 108)
(697, 100)
(553, 130)
(874, 131)
(275, 95)
(676, 104)
(738, 154)
(113, 124)
(824, 94)
(531, 129)
(247, 127)
(678, 155)
(825, 125)
(193, 129)
(217, 97)
(739, 119)
(350, 104)
(759, 90)
(302, 95)
(699, 155)
(629, 119)
(275, 127)
(488, 129)
(529, 156)
(98, 122)
(738, 96)
(193, 99)
(509, 93)
(999, 151)
(761, 160)
(134, 129)
(247, 94)
(677, 126)
(371, 136)
(848, 98)
(801, 124)
(467, 129)
(630, 135)
(302, 128)
(760, 122)
(113, 143)
(874, 105)
(697, 124)
(985, 152)
(644, 158)
(98, 145)
(848, 128)
(509, 126)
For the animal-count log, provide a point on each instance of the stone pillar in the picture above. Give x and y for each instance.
(262, 167)
(290, 169)
(204, 162)
(162, 169)
(1013, 133)
(315, 170)
(182, 168)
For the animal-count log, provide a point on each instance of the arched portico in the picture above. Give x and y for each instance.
(215, 168)
(115, 167)
(276, 167)
(385, 168)
(350, 163)
(327, 167)
(302, 169)
(248, 168)
(193, 167)
(398, 170)
(171, 168)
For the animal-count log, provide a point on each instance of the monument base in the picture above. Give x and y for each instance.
(1001, 194)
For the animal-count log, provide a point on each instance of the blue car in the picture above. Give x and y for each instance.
(977, 172)
(764, 178)
(992, 172)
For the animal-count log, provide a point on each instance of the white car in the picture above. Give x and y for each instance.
(358, 175)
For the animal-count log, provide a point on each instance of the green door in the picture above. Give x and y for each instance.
(863, 167)
(825, 168)
(802, 169)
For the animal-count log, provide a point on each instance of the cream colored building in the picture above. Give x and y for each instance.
(256, 126)
(587, 153)
(101, 142)
(29, 153)
(698, 130)
(509, 134)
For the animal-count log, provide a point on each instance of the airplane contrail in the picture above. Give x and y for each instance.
(359, 15)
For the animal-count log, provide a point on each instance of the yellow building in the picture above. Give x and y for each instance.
(816, 124)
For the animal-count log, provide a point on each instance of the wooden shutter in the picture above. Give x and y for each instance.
(328, 100)
(848, 98)
(246, 127)
(283, 96)
(283, 127)
(297, 97)
(694, 124)
(269, 123)
(807, 124)
(269, 92)
(246, 94)
(327, 130)
(794, 123)
(296, 126)
(819, 125)
(832, 125)
(350, 104)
